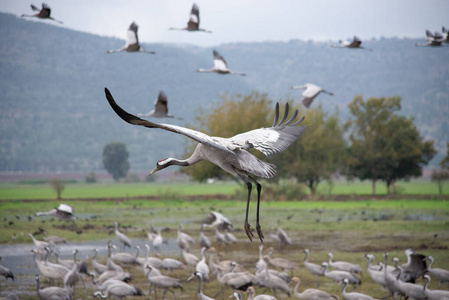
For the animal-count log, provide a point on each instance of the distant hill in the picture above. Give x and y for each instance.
(54, 116)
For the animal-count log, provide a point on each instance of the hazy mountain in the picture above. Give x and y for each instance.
(54, 115)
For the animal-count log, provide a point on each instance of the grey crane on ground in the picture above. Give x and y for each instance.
(230, 238)
(275, 283)
(112, 266)
(310, 294)
(410, 290)
(194, 21)
(252, 295)
(441, 275)
(119, 290)
(43, 13)
(218, 220)
(338, 276)
(132, 42)
(203, 239)
(354, 44)
(98, 267)
(433, 40)
(57, 266)
(4, 271)
(63, 212)
(220, 66)
(160, 108)
(390, 279)
(310, 92)
(183, 239)
(69, 263)
(165, 282)
(375, 274)
(434, 294)
(171, 264)
(72, 277)
(122, 238)
(280, 262)
(158, 240)
(190, 259)
(415, 267)
(261, 263)
(112, 274)
(53, 292)
(149, 260)
(50, 270)
(126, 259)
(40, 245)
(200, 294)
(235, 280)
(353, 295)
(231, 154)
(202, 266)
(55, 240)
(344, 265)
(282, 236)
(315, 269)
(220, 238)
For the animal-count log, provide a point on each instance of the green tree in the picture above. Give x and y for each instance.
(115, 160)
(384, 146)
(319, 153)
(58, 186)
(234, 115)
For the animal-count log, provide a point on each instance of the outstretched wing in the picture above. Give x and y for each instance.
(131, 37)
(219, 61)
(194, 19)
(200, 137)
(160, 106)
(275, 139)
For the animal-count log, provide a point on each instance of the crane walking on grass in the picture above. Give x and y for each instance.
(231, 154)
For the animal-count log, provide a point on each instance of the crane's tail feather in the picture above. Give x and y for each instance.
(276, 115)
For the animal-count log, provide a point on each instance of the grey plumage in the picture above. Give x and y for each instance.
(311, 294)
(194, 21)
(441, 275)
(160, 109)
(353, 295)
(53, 292)
(220, 66)
(43, 13)
(4, 271)
(122, 237)
(231, 154)
(132, 42)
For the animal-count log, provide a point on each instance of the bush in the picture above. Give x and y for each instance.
(91, 177)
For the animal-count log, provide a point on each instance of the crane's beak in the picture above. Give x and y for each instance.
(152, 172)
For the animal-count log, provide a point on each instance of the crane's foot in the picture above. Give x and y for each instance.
(248, 231)
(260, 233)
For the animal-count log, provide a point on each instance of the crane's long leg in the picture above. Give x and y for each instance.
(246, 224)
(259, 189)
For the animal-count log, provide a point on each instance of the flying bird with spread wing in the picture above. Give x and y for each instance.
(310, 92)
(231, 154)
(132, 42)
(194, 21)
(43, 13)
(160, 108)
(220, 66)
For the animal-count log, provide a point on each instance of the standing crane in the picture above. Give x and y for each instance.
(53, 292)
(220, 66)
(194, 21)
(132, 42)
(231, 154)
(441, 275)
(310, 92)
(160, 108)
(315, 269)
(43, 13)
(353, 295)
(199, 277)
(314, 294)
(4, 271)
(122, 237)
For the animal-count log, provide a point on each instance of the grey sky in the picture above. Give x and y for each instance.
(247, 20)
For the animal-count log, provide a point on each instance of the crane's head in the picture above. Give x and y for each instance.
(161, 164)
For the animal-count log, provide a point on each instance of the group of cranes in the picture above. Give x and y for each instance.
(435, 39)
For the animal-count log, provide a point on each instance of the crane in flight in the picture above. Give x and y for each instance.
(310, 92)
(220, 66)
(231, 154)
(194, 21)
(433, 40)
(160, 108)
(43, 13)
(354, 44)
(132, 42)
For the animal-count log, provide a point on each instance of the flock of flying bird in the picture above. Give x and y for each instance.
(111, 276)
(232, 156)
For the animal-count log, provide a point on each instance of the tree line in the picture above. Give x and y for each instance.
(376, 143)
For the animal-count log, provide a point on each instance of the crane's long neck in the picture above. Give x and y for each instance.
(295, 291)
(199, 285)
(193, 159)
(343, 289)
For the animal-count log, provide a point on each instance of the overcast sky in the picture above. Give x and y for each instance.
(247, 20)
